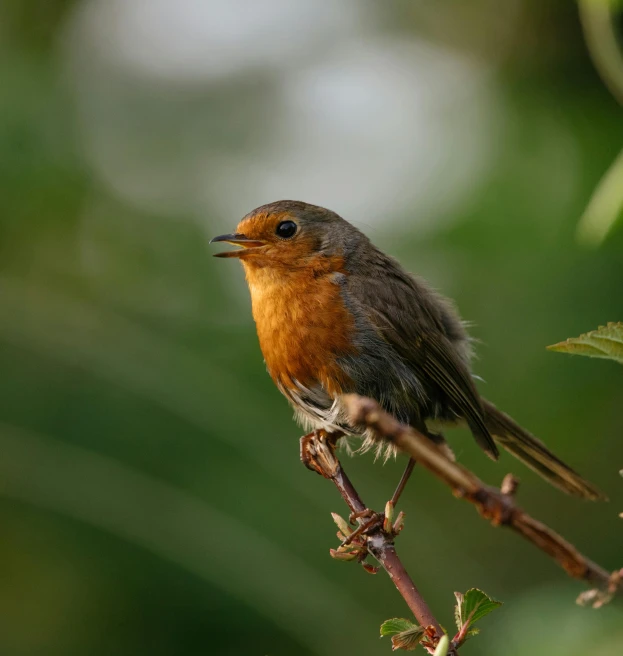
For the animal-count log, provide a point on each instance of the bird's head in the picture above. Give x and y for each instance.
(291, 234)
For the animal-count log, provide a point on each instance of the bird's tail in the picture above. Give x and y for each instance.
(532, 452)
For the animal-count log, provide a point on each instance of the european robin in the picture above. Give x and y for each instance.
(335, 315)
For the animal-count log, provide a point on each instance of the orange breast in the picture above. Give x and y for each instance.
(302, 324)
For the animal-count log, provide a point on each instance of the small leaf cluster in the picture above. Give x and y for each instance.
(470, 608)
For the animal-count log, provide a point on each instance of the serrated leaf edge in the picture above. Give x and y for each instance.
(470, 618)
(587, 341)
(385, 632)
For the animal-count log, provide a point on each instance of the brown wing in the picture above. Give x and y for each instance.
(426, 331)
(438, 359)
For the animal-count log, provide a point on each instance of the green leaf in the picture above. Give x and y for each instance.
(396, 625)
(473, 606)
(406, 635)
(605, 342)
(408, 640)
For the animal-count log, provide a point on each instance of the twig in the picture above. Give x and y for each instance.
(496, 505)
(381, 545)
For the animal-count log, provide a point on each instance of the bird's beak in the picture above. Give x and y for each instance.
(237, 239)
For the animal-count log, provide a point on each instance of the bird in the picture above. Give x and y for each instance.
(335, 315)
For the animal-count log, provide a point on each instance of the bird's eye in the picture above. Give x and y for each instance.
(286, 229)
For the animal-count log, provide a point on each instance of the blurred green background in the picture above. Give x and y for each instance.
(151, 497)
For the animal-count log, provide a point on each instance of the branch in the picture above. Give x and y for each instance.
(380, 544)
(496, 505)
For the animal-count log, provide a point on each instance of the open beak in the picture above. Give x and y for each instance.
(237, 239)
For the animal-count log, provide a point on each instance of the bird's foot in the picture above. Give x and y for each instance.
(369, 520)
(318, 452)
(354, 542)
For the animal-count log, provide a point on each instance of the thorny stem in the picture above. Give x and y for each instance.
(493, 504)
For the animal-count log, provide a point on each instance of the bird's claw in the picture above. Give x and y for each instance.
(372, 521)
(318, 452)
(362, 514)
(354, 542)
